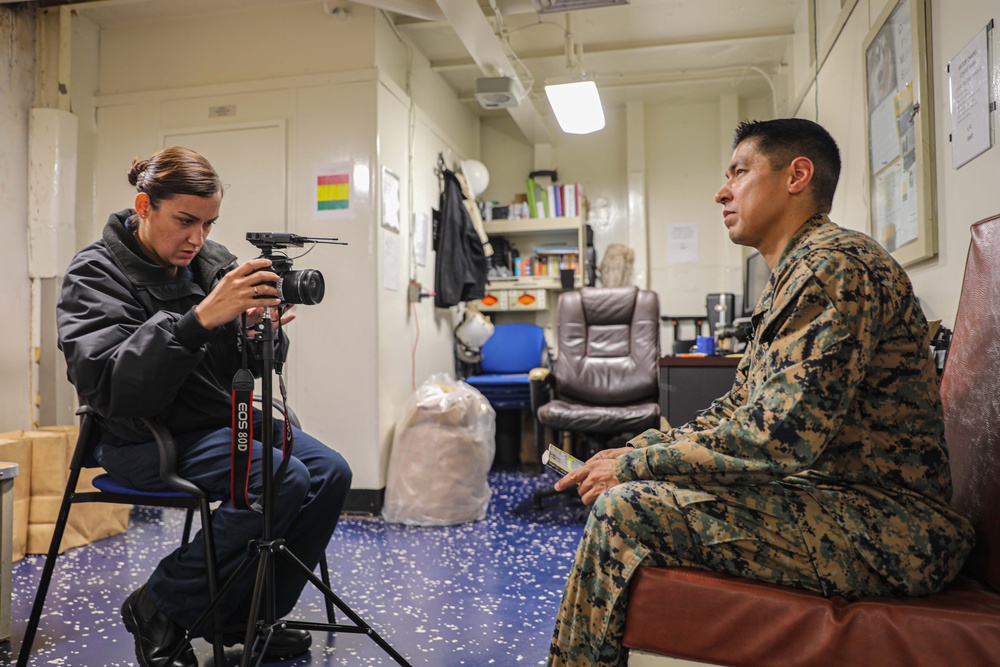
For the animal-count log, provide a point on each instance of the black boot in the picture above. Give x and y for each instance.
(156, 636)
(285, 642)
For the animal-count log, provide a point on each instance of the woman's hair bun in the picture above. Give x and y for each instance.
(138, 166)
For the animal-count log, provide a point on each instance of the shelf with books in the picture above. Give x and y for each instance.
(542, 226)
(533, 298)
(555, 199)
(544, 247)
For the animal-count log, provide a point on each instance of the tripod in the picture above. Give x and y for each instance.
(262, 623)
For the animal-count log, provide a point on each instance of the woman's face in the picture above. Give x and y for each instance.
(174, 233)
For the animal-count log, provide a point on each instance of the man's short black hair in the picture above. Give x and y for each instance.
(784, 139)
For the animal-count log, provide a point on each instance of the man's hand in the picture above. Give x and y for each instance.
(594, 478)
(611, 453)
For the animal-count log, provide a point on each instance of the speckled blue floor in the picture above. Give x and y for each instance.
(479, 594)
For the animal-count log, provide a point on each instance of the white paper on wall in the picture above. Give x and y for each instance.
(390, 261)
(682, 243)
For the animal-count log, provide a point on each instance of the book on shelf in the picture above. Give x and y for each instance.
(553, 201)
(569, 197)
(532, 200)
(551, 265)
(549, 260)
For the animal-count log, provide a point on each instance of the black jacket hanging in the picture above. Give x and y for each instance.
(460, 262)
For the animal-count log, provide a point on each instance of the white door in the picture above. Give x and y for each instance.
(251, 160)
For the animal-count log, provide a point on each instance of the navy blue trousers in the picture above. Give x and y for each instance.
(307, 505)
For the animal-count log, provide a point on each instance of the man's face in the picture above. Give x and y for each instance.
(753, 196)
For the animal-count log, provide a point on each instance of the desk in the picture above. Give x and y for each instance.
(682, 345)
(690, 384)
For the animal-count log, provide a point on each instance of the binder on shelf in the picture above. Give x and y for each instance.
(569, 204)
(532, 202)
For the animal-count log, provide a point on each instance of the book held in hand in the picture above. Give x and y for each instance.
(560, 461)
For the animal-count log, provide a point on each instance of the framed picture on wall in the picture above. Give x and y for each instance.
(899, 132)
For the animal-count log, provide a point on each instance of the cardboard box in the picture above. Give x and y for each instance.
(8, 473)
(16, 450)
(51, 452)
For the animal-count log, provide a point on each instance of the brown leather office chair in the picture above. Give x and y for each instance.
(605, 380)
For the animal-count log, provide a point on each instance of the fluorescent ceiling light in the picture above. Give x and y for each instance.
(577, 106)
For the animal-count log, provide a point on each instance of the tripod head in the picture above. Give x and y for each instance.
(306, 286)
(270, 241)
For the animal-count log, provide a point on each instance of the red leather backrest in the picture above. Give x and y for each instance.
(970, 391)
(609, 344)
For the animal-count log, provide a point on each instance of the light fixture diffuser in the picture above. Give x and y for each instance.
(577, 106)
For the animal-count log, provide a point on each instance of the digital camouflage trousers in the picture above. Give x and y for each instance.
(745, 531)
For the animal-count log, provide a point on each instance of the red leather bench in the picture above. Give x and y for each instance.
(719, 619)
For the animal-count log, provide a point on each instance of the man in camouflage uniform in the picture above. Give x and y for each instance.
(825, 466)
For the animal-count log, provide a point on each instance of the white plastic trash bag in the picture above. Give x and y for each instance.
(441, 453)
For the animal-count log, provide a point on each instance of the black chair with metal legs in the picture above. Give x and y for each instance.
(183, 494)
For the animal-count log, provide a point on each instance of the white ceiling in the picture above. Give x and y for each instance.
(649, 50)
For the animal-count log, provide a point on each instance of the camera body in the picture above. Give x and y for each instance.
(305, 286)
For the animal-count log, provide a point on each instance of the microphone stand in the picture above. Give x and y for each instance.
(262, 622)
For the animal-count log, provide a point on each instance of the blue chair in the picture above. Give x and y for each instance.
(509, 354)
(502, 377)
(182, 494)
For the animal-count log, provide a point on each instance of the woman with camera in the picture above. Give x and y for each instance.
(149, 321)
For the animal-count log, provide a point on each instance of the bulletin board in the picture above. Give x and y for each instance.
(899, 132)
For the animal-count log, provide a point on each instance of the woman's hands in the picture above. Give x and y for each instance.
(596, 477)
(248, 288)
(278, 315)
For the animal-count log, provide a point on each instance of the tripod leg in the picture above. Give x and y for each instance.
(332, 597)
(258, 593)
(324, 571)
(214, 604)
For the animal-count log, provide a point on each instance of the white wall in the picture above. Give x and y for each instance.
(286, 40)
(352, 355)
(964, 196)
(596, 161)
(683, 176)
(17, 85)
(415, 125)
(685, 153)
(232, 56)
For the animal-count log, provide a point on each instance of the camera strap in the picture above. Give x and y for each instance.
(242, 429)
(242, 450)
(287, 441)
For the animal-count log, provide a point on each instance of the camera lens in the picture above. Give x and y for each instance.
(305, 286)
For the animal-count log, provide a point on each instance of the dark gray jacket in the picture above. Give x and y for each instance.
(133, 345)
(460, 260)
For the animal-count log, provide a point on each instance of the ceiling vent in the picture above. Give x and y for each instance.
(553, 6)
(499, 92)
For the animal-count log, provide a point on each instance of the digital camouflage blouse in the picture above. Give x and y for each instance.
(836, 400)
